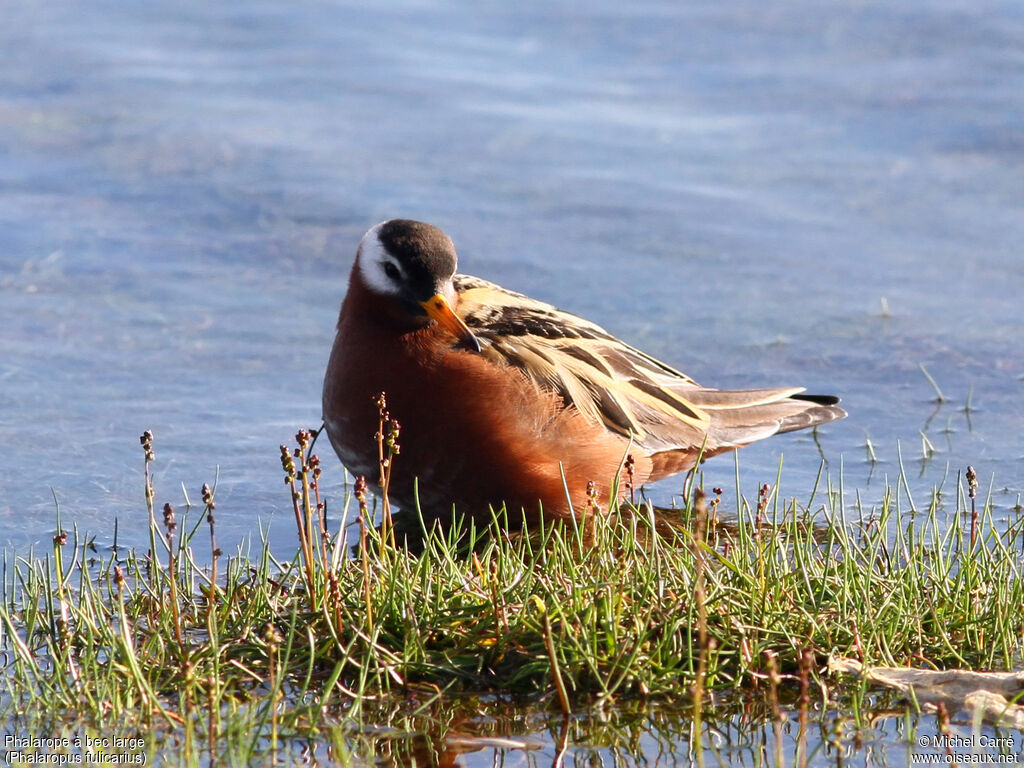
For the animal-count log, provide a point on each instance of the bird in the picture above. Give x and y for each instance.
(507, 402)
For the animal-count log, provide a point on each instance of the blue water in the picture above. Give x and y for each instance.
(819, 193)
(738, 190)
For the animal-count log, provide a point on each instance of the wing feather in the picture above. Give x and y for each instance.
(661, 409)
(632, 393)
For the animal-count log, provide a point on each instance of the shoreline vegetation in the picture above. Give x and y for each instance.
(693, 608)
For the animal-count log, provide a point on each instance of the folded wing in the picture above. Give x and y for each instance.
(666, 413)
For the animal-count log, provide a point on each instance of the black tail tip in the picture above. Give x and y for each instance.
(818, 399)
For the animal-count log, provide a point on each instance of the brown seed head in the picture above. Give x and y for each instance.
(287, 464)
(972, 482)
(169, 522)
(393, 430)
(147, 444)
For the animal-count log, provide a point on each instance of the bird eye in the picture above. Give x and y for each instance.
(391, 270)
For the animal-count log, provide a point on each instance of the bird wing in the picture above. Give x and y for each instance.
(608, 381)
(631, 393)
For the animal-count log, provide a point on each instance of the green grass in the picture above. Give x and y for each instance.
(242, 655)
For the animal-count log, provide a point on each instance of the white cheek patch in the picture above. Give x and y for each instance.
(371, 259)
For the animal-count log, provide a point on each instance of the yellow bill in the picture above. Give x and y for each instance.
(438, 308)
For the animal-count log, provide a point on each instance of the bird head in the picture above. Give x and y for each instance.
(411, 265)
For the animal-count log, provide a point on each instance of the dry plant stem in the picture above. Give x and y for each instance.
(701, 511)
(213, 714)
(146, 440)
(972, 486)
(172, 577)
(321, 507)
(383, 468)
(939, 397)
(309, 470)
(364, 560)
(387, 449)
(301, 508)
(215, 553)
(310, 541)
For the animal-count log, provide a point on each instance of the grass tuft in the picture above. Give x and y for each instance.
(241, 653)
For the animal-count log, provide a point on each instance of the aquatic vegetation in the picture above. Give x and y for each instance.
(246, 653)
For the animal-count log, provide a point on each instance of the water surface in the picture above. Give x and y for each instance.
(738, 190)
(822, 194)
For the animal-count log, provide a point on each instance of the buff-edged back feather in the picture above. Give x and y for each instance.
(660, 409)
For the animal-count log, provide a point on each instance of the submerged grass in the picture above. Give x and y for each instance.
(247, 653)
